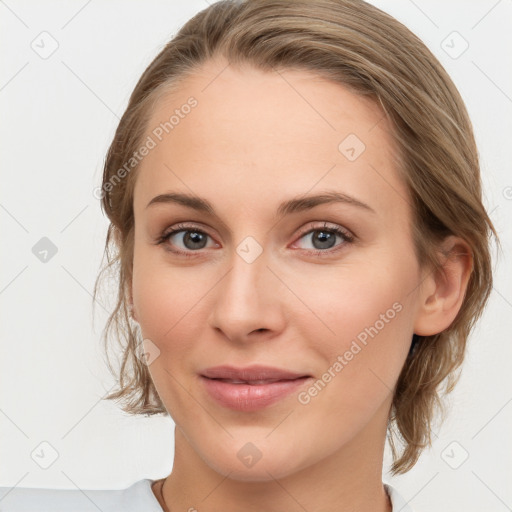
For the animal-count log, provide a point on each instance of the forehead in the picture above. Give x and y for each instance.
(265, 132)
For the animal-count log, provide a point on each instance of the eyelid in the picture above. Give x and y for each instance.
(327, 226)
(183, 226)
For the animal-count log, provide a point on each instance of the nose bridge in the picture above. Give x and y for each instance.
(245, 284)
(246, 298)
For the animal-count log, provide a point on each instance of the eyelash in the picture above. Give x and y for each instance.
(346, 236)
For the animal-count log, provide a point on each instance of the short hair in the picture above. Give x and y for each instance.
(373, 55)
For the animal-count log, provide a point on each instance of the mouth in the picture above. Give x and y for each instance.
(251, 388)
(253, 373)
(254, 382)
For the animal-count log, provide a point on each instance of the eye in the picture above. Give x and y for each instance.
(185, 239)
(322, 239)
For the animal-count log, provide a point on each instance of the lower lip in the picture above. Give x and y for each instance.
(246, 397)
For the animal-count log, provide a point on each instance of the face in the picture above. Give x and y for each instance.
(258, 274)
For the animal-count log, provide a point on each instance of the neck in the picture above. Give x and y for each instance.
(347, 480)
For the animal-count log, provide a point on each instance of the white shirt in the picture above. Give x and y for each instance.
(138, 497)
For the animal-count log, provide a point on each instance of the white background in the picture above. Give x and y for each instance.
(58, 116)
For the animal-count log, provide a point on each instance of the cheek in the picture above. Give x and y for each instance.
(163, 296)
(353, 298)
(164, 304)
(167, 302)
(172, 305)
(367, 318)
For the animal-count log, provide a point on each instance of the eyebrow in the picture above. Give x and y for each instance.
(293, 205)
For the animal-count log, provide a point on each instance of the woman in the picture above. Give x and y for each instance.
(302, 250)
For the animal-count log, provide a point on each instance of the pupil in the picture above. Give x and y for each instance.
(325, 240)
(195, 239)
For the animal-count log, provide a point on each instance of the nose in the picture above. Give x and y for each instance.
(248, 304)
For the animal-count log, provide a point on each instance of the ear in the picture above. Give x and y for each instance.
(442, 290)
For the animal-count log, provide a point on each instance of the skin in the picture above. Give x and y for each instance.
(254, 140)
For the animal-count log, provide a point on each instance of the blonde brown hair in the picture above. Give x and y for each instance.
(368, 51)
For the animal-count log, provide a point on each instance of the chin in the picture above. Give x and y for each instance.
(255, 462)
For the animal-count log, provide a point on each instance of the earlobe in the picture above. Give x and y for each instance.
(443, 290)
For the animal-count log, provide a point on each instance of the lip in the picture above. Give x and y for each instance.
(262, 386)
(250, 373)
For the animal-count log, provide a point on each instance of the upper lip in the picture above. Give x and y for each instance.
(249, 373)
